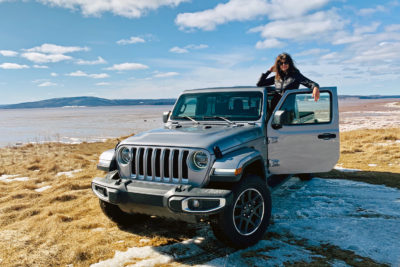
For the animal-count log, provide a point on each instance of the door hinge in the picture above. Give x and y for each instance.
(273, 163)
(272, 140)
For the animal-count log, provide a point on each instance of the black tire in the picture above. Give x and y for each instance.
(244, 221)
(115, 214)
(305, 176)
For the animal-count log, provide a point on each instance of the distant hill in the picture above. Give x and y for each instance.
(88, 101)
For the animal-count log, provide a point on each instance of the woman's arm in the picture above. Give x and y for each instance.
(264, 81)
(310, 84)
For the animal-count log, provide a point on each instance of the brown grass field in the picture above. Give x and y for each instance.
(64, 224)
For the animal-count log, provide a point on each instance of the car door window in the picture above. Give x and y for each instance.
(301, 108)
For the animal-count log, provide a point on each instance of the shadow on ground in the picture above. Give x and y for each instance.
(386, 178)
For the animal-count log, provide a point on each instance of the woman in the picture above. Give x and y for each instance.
(287, 77)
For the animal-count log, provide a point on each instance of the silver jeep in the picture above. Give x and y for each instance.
(218, 157)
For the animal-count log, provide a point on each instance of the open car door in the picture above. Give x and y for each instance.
(303, 135)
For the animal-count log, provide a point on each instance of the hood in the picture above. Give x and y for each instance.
(198, 136)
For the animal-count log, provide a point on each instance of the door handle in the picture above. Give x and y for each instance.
(326, 136)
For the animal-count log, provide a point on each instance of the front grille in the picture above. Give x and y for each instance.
(160, 164)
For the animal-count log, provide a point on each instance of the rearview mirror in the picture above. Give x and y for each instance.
(278, 119)
(165, 116)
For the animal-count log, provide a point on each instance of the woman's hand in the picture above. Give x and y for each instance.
(315, 93)
(272, 69)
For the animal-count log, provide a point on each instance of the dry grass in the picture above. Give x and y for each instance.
(375, 152)
(64, 224)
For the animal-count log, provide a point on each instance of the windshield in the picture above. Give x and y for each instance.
(232, 106)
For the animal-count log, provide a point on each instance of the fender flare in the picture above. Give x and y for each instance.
(107, 161)
(231, 166)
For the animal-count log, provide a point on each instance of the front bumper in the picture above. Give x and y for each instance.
(181, 202)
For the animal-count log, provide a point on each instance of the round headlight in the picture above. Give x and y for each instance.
(125, 155)
(200, 159)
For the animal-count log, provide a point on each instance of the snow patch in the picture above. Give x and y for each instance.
(10, 178)
(69, 174)
(99, 229)
(353, 216)
(265, 253)
(44, 188)
(393, 105)
(146, 255)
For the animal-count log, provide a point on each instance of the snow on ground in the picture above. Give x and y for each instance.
(12, 178)
(68, 174)
(44, 188)
(356, 120)
(354, 216)
(340, 168)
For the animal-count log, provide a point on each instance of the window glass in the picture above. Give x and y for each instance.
(235, 106)
(302, 109)
(188, 107)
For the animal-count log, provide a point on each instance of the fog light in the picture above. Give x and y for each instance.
(196, 203)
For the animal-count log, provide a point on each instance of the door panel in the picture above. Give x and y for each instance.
(307, 139)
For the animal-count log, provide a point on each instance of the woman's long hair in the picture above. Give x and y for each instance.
(284, 57)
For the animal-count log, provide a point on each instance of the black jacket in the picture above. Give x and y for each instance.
(290, 81)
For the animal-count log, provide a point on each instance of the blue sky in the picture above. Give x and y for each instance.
(157, 48)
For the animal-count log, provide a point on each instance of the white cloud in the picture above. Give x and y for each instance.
(99, 76)
(99, 60)
(178, 50)
(132, 40)
(312, 52)
(233, 10)
(56, 49)
(126, 8)
(44, 58)
(196, 47)
(8, 53)
(317, 26)
(13, 66)
(53, 74)
(269, 43)
(80, 73)
(242, 10)
(378, 53)
(182, 50)
(393, 28)
(367, 28)
(50, 53)
(370, 11)
(102, 84)
(166, 74)
(128, 66)
(40, 66)
(47, 84)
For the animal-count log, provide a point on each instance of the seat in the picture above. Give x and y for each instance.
(237, 106)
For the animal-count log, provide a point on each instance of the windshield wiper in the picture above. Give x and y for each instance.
(187, 117)
(221, 118)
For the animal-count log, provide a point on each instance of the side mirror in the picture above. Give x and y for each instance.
(278, 119)
(165, 116)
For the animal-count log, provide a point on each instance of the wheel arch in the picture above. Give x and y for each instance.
(238, 164)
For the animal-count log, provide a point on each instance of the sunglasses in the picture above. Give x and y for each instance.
(283, 63)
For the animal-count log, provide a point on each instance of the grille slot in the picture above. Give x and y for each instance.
(160, 164)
